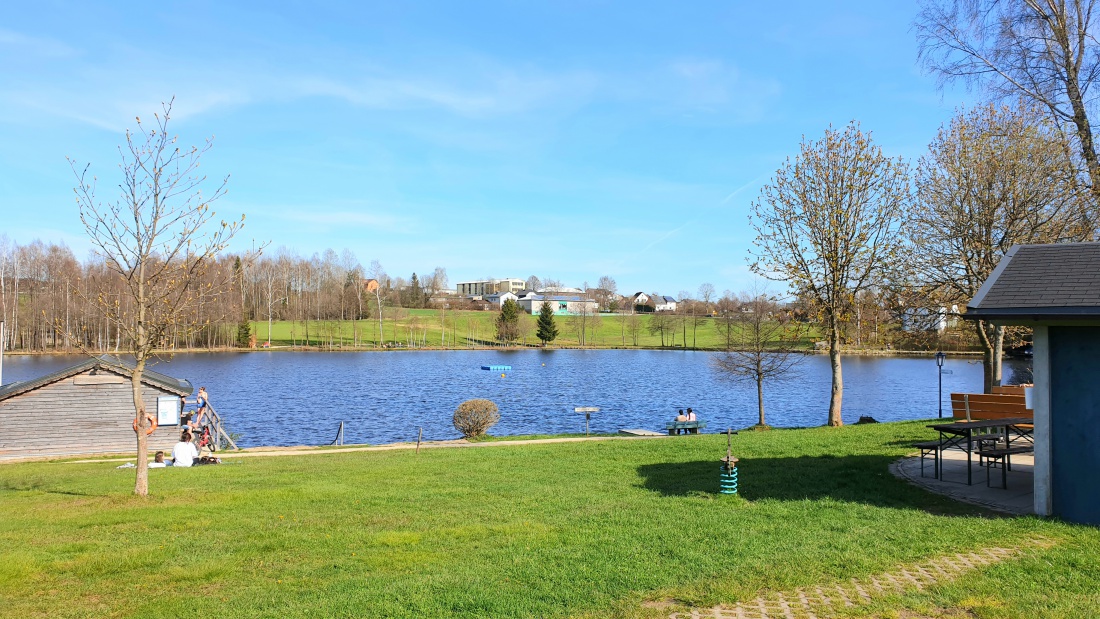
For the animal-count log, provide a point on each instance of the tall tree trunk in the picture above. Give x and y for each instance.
(141, 484)
(998, 353)
(837, 393)
(989, 359)
(760, 396)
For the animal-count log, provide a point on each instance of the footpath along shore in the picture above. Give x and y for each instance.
(305, 450)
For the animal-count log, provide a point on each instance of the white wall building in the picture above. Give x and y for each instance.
(497, 299)
(564, 305)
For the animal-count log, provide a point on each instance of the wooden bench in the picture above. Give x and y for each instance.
(929, 448)
(1003, 455)
(972, 406)
(690, 427)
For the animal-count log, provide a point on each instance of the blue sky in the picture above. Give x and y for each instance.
(562, 139)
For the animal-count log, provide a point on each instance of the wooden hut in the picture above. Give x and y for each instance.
(86, 409)
(1056, 290)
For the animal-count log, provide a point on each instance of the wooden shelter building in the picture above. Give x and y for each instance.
(87, 408)
(1056, 290)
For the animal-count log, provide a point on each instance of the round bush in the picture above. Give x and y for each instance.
(475, 417)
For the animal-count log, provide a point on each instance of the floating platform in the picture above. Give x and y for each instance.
(496, 368)
(637, 432)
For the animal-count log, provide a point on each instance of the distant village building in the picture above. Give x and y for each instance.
(87, 408)
(485, 287)
(639, 302)
(664, 304)
(370, 285)
(563, 305)
(497, 299)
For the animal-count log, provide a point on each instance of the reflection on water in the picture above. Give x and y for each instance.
(292, 398)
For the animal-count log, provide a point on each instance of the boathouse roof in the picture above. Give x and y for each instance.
(1039, 283)
(106, 362)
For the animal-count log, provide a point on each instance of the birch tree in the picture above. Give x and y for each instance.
(827, 224)
(994, 177)
(159, 236)
(1045, 51)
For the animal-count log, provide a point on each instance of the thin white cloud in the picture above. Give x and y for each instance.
(344, 218)
(26, 45)
(490, 92)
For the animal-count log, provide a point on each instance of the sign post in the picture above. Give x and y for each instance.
(587, 410)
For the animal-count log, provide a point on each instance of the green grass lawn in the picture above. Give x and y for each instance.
(591, 529)
(425, 327)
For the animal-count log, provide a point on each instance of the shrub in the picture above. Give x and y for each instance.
(475, 417)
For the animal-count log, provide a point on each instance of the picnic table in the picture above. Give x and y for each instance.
(966, 435)
(690, 427)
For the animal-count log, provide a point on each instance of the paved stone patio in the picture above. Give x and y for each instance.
(840, 598)
(1018, 499)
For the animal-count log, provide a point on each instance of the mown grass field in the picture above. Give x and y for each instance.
(464, 328)
(591, 529)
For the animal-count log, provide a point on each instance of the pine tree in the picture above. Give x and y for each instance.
(508, 321)
(414, 296)
(547, 330)
(244, 333)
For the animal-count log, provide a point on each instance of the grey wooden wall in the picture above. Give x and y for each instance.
(68, 418)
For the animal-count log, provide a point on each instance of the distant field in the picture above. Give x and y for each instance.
(465, 329)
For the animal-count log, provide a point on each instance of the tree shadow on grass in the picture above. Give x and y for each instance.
(858, 479)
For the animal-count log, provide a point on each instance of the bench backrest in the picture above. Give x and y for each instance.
(988, 406)
(1009, 390)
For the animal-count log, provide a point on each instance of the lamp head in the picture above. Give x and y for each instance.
(940, 356)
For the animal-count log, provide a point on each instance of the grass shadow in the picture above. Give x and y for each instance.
(858, 479)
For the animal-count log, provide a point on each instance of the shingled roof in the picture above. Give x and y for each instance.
(1032, 283)
(106, 362)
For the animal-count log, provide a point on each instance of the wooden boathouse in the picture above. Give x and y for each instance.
(86, 408)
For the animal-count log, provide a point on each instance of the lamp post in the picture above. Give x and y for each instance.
(939, 374)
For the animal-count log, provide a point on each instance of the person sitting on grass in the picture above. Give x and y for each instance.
(184, 453)
(158, 461)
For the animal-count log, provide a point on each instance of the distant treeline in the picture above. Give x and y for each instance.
(50, 301)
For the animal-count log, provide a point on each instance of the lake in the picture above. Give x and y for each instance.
(299, 398)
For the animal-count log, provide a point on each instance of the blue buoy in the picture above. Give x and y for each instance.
(496, 368)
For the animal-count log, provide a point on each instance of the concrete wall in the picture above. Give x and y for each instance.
(72, 417)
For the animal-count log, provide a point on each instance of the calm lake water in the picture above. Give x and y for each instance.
(296, 398)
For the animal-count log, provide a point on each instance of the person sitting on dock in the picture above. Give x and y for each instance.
(187, 418)
(691, 415)
(184, 453)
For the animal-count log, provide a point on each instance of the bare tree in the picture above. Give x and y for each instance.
(769, 351)
(378, 274)
(1043, 50)
(994, 177)
(607, 291)
(828, 225)
(155, 237)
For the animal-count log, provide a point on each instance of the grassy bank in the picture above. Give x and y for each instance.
(553, 530)
(465, 329)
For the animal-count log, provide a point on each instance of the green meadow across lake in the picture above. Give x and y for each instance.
(602, 528)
